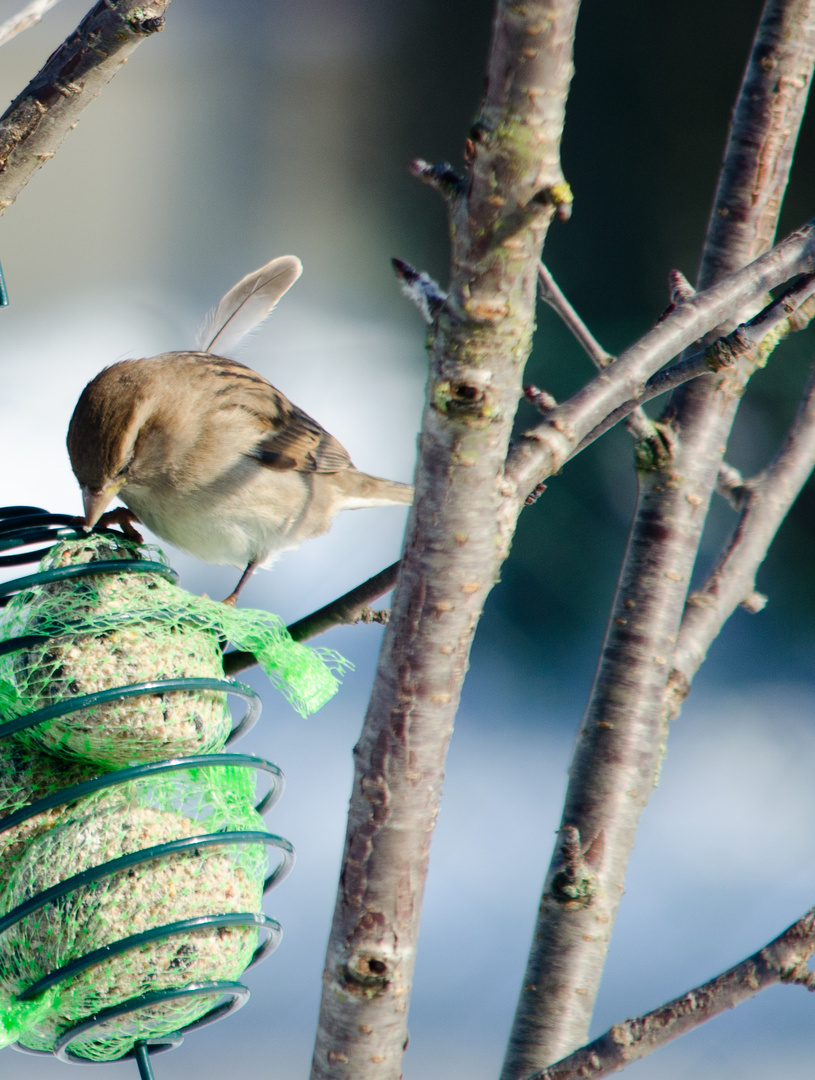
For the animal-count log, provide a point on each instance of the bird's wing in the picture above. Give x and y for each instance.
(295, 441)
(278, 434)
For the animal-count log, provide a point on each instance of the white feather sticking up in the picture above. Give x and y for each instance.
(247, 304)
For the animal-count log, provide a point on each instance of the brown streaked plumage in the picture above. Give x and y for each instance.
(207, 453)
(211, 457)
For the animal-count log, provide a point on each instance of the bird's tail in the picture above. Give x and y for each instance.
(361, 489)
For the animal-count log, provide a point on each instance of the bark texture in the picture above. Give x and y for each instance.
(623, 731)
(36, 122)
(457, 534)
(544, 449)
(765, 501)
(784, 960)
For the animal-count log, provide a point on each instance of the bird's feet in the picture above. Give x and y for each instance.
(122, 517)
(232, 599)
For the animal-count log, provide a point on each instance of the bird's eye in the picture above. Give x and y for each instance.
(125, 469)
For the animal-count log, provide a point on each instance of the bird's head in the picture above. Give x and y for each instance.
(116, 437)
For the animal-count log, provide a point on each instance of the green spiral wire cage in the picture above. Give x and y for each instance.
(21, 529)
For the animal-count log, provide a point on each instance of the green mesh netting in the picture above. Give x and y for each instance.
(109, 630)
(103, 826)
(27, 775)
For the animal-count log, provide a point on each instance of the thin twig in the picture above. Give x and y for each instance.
(344, 611)
(639, 423)
(29, 16)
(374, 616)
(36, 122)
(439, 175)
(544, 449)
(783, 960)
(760, 333)
(420, 289)
(765, 500)
(730, 484)
(552, 294)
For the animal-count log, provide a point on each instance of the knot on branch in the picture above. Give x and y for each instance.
(575, 881)
(654, 451)
(441, 176)
(366, 975)
(676, 691)
(141, 25)
(420, 288)
(374, 615)
(559, 196)
(724, 352)
(732, 486)
(701, 600)
(462, 399)
(799, 974)
(18, 127)
(485, 309)
(743, 341)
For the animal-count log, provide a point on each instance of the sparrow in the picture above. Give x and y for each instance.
(207, 454)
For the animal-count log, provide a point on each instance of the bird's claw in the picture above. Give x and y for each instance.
(122, 517)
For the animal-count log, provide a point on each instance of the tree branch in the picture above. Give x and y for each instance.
(36, 122)
(346, 610)
(457, 534)
(783, 960)
(420, 289)
(623, 730)
(638, 423)
(551, 294)
(758, 336)
(29, 16)
(544, 449)
(730, 482)
(439, 175)
(765, 501)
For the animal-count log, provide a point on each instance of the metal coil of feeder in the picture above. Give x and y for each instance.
(20, 528)
(23, 526)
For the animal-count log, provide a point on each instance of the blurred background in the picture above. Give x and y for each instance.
(260, 127)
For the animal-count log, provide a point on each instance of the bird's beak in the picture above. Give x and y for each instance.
(96, 502)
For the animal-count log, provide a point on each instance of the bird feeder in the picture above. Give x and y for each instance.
(133, 853)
